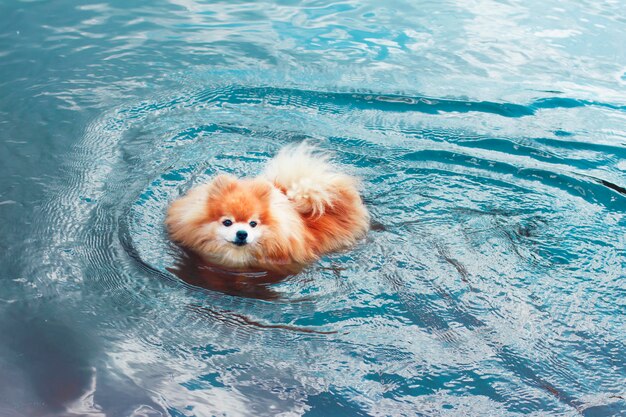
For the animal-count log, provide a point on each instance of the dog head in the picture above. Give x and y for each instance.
(225, 220)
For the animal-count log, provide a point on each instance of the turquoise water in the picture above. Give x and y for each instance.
(491, 142)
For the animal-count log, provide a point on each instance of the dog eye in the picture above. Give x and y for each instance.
(227, 223)
(253, 224)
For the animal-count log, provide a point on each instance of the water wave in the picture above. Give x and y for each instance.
(480, 251)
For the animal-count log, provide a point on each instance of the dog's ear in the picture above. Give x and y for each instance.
(262, 189)
(223, 183)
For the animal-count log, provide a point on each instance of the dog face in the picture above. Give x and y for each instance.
(239, 224)
(239, 233)
(230, 219)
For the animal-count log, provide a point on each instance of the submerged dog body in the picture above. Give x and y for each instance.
(299, 208)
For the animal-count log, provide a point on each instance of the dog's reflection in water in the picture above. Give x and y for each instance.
(253, 284)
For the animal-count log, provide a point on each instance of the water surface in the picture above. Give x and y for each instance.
(491, 144)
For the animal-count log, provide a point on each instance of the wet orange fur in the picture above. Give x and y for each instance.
(336, 228)
(292, 236)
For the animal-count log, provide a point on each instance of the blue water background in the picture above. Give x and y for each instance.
(491, 140)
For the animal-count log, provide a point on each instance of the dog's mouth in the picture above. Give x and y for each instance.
(239, 242)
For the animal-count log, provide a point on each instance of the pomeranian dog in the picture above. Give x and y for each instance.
(298, 209)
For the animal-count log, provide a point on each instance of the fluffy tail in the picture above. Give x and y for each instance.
(307, 178)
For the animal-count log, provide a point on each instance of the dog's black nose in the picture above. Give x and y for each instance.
(242, 235)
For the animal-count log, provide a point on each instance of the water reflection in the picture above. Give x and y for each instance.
(194, 271)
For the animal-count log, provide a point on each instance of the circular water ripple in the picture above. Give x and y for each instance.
(493, 268)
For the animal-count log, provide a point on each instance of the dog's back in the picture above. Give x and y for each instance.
(327, 199)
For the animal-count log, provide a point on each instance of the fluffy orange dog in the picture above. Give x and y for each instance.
(299, 208)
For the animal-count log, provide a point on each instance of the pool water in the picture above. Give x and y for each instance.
(490, 138)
